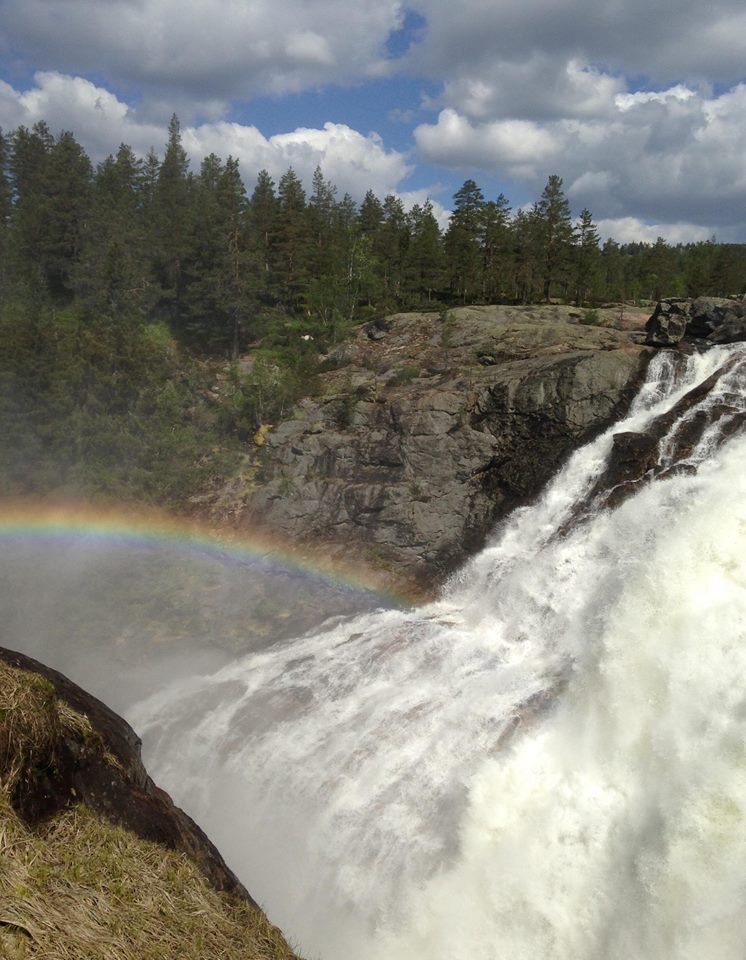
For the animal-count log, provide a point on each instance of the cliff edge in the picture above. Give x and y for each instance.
(95, 860)
(426, 429)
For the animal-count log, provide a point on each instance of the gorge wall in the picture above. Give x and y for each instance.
(428, 428)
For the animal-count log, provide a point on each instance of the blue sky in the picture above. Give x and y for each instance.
(643, 113)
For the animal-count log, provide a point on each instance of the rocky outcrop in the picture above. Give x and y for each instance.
(667, 325)
(95, 760)
(428, 428)
(715, 319)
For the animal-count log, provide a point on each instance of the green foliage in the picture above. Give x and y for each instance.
(108, 276)
(405, 374)
(555, 236)
(92, 407)
(591, 318)
(266, 393)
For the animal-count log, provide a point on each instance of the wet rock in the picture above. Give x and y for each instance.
(660, 451)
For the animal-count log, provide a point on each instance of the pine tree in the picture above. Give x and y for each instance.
(173, 221)
(587, 257)
(553, 212)
(65, 188)
(391, 248)
(321, 208)
(30, 151)
(6, 211)
(612, 271)
(660, 276)
(263, 212)
(332, 296)
(527, 230)
(425, 259)
(463, 241)
(291, 243)
(699, 268)
(371, 249)
(497, 266)
(113, 274)
(371, 215)
(218, 296)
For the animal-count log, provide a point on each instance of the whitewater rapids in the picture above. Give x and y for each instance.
(549, 762)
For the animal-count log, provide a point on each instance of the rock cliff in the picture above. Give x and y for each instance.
(426, 429)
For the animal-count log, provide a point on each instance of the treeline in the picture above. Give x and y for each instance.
(149, 240)
(124, 288)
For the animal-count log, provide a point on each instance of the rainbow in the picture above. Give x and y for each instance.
(120, 527)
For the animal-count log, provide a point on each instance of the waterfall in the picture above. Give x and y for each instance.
(547, 762)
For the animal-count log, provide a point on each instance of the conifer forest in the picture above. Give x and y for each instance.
(125, 286)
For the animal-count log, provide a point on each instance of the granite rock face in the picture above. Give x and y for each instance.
(429, 428)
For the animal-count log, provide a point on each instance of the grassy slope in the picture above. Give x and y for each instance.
(77, 887)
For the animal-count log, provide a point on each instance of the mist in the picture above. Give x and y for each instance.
(123, 619)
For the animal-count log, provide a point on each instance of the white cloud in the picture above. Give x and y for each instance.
(97, 117)
(666, 156)
(633, 230)
(626, 101)
(538, 87)
(353, 161)
(205, 50)
(523, 90)
(455, 141)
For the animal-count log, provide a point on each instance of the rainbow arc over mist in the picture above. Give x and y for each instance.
(120, 527)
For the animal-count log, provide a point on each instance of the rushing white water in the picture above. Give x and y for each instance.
(549, 762)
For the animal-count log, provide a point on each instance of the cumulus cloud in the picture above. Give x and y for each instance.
(615, 97)
(98, 118)
(538, 87)
(353, 161)
(664, 157)
(513, 144)
(208, 50)
(637, 37)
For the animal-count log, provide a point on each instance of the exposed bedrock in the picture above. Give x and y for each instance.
(429, 428)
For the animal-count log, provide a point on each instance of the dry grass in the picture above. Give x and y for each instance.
(78, 888)
(30, 724)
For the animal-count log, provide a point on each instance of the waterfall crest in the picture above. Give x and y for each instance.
(549, 761)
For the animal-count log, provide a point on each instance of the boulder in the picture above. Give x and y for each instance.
(718, 319)
(668, 323)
